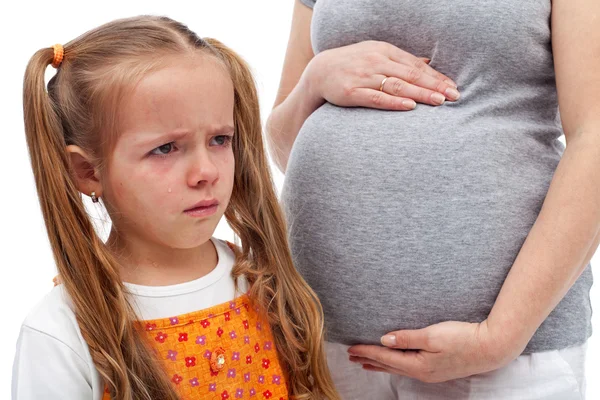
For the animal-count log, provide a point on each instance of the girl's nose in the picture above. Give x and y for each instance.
(202, 170)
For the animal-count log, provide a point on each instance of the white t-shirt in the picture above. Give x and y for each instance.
(53, 362)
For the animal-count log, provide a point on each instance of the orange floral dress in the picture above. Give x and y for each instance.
(222, 352)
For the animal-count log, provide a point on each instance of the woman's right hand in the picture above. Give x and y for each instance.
(351, 76)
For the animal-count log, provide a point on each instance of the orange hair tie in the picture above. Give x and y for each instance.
(59, 54)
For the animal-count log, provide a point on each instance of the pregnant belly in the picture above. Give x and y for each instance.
(402, 220)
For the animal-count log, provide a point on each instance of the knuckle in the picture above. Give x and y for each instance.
(380, 46)
(420, 64)
(398, 86)
(363, 73)
(424, 94)
(377, 99)
(413, 75)
(372, 59)
(402, 341)
(441, 86)
(348, 90)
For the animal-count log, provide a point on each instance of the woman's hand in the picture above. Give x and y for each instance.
(438, 353)
(351, 76)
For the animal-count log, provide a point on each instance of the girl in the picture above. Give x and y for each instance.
(164, 127)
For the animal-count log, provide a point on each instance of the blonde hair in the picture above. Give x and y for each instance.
(80, 108)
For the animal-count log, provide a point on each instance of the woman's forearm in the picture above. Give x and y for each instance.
(559, 246)
(287, 118)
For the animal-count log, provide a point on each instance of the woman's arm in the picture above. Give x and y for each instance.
(348, 76)
(566, 232)
(294, 101)
(559, 246)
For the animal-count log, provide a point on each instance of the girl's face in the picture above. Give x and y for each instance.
(170, 176)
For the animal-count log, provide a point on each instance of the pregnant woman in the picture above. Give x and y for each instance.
(458, 231)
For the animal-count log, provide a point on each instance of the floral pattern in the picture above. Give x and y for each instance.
(187, 362)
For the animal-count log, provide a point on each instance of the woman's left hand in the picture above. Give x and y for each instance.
(438, 353)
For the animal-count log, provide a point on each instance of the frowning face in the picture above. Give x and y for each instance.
(171, 173)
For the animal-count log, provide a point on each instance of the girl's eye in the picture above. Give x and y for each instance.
(221, 140)
(163, 150)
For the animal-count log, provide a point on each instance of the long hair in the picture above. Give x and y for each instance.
(79, 107)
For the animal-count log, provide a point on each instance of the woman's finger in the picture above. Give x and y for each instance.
(363, 360)
(374, 98)
(367, 362)
(417, 77)
(416, 339)
(403, 57)
(400, 88)
(410, 363)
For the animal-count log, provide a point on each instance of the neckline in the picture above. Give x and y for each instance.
(204, 316)
(224, 264)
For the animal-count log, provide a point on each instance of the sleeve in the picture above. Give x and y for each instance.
(309, 3)
(46, 368)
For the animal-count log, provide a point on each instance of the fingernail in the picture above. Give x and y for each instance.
(427, 60)
(451, 83)
(452, 94)
(388, 340)
(410, 104)
(438, 98)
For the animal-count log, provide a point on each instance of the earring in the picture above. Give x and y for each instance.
(94, 198)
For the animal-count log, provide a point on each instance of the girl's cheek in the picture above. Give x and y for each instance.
(130, 187)
(120, 198)
(161, 190)
(227, 164)
(167, 197)
(119, 190)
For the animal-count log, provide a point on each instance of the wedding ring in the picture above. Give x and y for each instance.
(382, 83)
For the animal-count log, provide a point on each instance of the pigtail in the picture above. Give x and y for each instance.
(86, 267)
(291, 306)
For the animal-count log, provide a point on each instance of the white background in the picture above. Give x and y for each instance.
(258, 30)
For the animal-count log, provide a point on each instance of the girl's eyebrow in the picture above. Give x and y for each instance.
(220, 129)
(159, 138)
(151, 139)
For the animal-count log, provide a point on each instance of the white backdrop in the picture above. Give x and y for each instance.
(258, 30)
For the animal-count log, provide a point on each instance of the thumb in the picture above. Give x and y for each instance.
(417, 339)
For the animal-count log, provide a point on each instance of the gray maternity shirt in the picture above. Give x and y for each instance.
(400, 220)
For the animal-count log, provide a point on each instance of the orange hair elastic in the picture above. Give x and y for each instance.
(59, 54)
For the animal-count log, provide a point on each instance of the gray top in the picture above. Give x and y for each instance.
(400, 220)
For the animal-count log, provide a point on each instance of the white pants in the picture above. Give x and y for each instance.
(552, 375)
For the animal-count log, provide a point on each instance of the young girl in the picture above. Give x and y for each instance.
(164, 128)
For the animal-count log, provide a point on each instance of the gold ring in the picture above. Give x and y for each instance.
(382, 83)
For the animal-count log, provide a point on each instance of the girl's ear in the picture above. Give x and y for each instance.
(86, 174)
